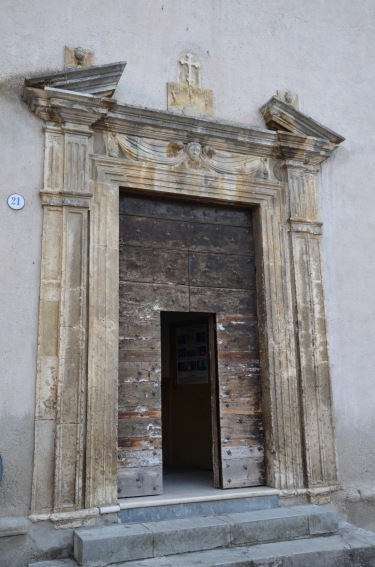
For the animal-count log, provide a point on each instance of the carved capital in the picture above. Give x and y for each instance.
(66, 198)
(303, 199)
(300, 150)
(66, 161)
(62, 107)
(302, 225)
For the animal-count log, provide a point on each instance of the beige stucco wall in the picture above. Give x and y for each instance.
(248, 50)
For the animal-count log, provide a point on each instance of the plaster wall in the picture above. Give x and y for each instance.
(248, 50)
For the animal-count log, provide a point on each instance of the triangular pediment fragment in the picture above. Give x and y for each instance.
(279, 115)
(99, 80)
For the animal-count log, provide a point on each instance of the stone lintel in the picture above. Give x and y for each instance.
(279, 115)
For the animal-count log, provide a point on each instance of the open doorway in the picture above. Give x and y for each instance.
(183, 262)
(189, 399)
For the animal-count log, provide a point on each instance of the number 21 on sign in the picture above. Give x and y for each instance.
(16, 201)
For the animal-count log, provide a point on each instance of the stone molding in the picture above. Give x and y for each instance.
(279, 115)
(77, 401)
(95, 80)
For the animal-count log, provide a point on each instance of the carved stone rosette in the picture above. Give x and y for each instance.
(76, 416)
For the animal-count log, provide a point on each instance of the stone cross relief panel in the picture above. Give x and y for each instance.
(187, 95)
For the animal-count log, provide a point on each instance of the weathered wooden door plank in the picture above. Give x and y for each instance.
(206, 270)
(177, 256)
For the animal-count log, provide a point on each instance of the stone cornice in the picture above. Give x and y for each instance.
(162, 125)
(99, 80)
(104, 114)
(300, 151)
(61, 106)
(279, 115)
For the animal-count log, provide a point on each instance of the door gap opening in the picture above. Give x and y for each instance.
(189, 400)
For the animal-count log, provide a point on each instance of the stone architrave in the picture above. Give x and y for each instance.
(76, 401)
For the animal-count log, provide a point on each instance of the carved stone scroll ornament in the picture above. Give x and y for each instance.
(191, 155)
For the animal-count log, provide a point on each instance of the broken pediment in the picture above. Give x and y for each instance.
(99, 80)
(279, 115)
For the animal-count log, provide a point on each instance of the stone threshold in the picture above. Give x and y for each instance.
(193, 497)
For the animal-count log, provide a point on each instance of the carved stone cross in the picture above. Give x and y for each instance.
(192, 79)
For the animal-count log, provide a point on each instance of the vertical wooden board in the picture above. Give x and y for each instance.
(214, 401)
(135, 395)
(155, 266)
(152, 298)
(133, 371)
(140, 481)
(137, 428)
(153, 233)
(239, 473)
(221, 270)
(222, 300)
(156, 237)
(148, 207)
(221, 216)
(139, 354)
(242, 426)
(135, 205)
(220, 240)
(237, 332)
(144, 329)
(145, 458)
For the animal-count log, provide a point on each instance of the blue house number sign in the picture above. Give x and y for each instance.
(16, 201)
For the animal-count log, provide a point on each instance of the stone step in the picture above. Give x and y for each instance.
(350, 547)
(95, 547)
(186, 509)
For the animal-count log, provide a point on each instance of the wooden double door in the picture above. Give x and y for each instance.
(189, 376)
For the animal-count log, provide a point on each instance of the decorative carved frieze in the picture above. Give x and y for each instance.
(190, 155)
